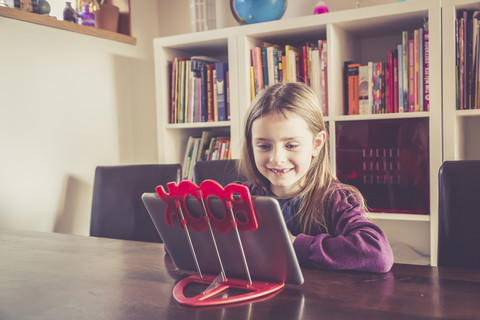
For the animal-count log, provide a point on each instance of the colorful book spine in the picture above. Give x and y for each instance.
(363, 103)
(421, 70)
(221, 86)
(411, 76)
(400, 78)
(405, 70)
(210, 102)
(264, 66)
(426, 72)
(416, 78)
(353, 97)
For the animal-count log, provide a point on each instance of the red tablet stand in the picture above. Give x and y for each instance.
(236, 200)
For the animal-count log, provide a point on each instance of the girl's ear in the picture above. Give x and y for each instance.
(319, 142)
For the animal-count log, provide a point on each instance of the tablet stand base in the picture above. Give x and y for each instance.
(256, 290)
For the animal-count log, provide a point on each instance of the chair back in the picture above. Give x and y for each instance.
(117, 208)
(459, 214)
(222, 171)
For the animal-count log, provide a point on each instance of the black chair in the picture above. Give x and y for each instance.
(222, 171)
(459, 214)
(117, 208)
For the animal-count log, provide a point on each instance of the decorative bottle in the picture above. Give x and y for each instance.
(69, 14)
(86, 18)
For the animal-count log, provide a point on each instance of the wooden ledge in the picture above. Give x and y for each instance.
(64, 25)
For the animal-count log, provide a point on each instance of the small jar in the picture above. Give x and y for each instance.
(86, 18)
(69, 14)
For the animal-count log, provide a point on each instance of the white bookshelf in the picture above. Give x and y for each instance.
(461, 127)
(364, 34)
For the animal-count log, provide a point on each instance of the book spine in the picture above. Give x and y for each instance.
(221, 72)
(416, 79)
(325, 76)
(215, 94)
(173, 87)
(210, 106)
(227, 83)
(270, 66)
(405, 70)
(426, 72)
(363, 89)
(370, 87)
(411, 76)
(421, 70)
(264, 66)
(395, 81)
(257, 69)
(204, 92)
(389, 83)
(353, 102)
(400, 77)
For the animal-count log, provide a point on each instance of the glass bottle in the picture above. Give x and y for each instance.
(86, 18)
(69, 14)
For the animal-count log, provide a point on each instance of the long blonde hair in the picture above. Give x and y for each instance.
(297, 98)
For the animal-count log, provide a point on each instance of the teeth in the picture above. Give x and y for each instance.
(280, 171)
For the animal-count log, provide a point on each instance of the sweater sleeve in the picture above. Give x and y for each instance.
(352, 243)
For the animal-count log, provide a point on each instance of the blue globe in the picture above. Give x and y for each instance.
(254, 11)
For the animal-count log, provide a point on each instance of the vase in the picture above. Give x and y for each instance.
(107, 17)
(69, 14)
(86, 18)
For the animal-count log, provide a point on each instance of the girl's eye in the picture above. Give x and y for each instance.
(292, 146)
(263, 146)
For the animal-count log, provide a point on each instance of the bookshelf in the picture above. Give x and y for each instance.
(461, 127)
(364, 34)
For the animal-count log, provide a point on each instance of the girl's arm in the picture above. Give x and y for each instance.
(353, 242)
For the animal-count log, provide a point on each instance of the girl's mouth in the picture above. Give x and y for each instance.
(280, 171)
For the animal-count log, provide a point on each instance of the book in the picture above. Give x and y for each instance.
(187, 157)
(210, 102)
(324, 77)
(416, 76)
(257, 69)
(270, 65)
(363, 86)
(395, 81)
(405, 70)
(264, 66)
(353, 96)
(400, 77)
(411, 76)
(420, 70)
(345, 86)
(221, 86)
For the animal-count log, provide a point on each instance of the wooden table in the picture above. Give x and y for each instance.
(57, 276)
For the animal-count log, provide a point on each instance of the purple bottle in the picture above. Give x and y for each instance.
(86, 18)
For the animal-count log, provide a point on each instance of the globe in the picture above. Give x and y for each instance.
(255, 11)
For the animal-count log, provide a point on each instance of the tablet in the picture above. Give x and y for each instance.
(268, 249)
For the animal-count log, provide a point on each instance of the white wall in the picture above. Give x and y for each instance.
(70, 102)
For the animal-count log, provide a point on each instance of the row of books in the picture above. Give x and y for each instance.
(271, 64)
(467, 39)
(401, 84)
(206, 147)
(199, 90)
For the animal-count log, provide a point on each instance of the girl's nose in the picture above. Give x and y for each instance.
(277, 156)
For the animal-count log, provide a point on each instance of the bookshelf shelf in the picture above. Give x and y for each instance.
(202, 125)
(383, 116)
(398, 216)
(364, 34)
(468, 113)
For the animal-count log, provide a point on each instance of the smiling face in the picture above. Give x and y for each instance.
(283, 148)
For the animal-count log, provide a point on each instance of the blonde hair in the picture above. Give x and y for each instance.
(297, 98)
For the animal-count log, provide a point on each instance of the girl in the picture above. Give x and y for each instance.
(285, 155)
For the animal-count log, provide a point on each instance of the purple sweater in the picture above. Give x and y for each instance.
(352, 241)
